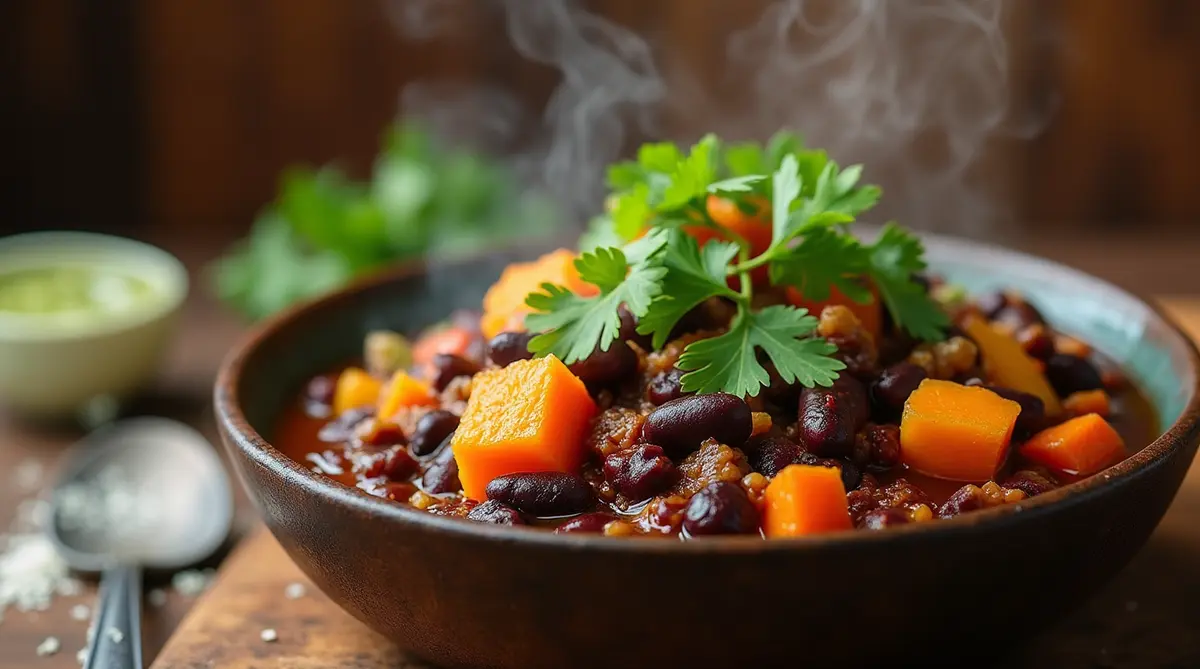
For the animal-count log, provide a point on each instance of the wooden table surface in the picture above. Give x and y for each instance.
(1149, 617)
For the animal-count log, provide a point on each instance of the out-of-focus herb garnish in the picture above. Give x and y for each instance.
(422, 200)
(644, 253)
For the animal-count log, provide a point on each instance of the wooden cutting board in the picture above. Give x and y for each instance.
(1149, 617)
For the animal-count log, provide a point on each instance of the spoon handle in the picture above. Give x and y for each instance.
(117, 642)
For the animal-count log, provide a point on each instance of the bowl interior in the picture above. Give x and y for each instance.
(1119, 325)
(1114, 322)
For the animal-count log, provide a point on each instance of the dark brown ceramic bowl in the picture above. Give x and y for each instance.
(465, 594)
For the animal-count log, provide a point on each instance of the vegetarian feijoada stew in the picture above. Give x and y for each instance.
(722, 357)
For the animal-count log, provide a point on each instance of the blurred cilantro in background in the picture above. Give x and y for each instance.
(423, 199)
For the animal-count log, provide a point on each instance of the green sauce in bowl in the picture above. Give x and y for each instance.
(94, 290)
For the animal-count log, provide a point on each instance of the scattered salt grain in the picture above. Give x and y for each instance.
(269, 635)
(80, 612)
(294, 591)
(192, 582)
(49, 646)
(157, 598)
(109, 504)
(81, 656)
(31, 573)
(114, 635)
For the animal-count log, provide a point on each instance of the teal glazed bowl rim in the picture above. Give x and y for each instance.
(1105, 320)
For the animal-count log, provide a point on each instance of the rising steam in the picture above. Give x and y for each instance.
(918, 90)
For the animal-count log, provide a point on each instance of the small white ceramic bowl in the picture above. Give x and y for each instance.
(53, 364)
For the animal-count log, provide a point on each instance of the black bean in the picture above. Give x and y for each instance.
(320, 390)
(399, 465)
(891, 390)
(851, 475)
(629, 331)
(431, 430)
(448, 367)
(991, 303)
(1033, 410)
(342, 428)
(831, 417)
(878, 519)
(442, 475)
(1018, 315)
(603, 368)
(640, 472)
(681, 425)
(779, 391)
(588, 522)
(665, 386)
(1037, 341)
(720, 508)
(495, 513)
(1030, 482)
(384, 433)
(508, 347)
(1071, 374)
(772, 454)
(542, 494)
(878, 447)
(967, 498)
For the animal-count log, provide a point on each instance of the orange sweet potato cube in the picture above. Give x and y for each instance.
(956, 432)
(530, 416)
(805, 499)
(403, 390)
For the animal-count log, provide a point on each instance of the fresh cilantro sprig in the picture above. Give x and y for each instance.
(643, 253)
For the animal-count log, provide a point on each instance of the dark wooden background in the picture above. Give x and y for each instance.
(157, 118)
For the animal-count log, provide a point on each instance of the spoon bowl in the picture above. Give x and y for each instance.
(140, 493)
(147, 491)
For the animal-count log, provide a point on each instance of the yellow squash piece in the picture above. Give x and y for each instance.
(1007, 364)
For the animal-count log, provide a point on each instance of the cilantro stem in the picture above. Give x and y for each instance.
(747, 287)
(745, 265)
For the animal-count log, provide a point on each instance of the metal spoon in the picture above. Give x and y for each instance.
(139, 493)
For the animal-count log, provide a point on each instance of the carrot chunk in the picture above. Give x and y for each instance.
(869, 314)
(355, 388)
(530, 416)
(450, 339)
(956, 432)
(1088, 401)
(1006, 363)
(404, 391)
(1083, 445)
(805, 499)
(504, 304)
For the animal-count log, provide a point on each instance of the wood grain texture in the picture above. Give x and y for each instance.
(182, 392)
(1146, 618)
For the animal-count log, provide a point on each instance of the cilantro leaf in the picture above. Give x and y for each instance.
(572, 326)
(781, 144)
(891, 263)
(660, 157)
(693, 275)
(729, 363)
(625, 175)
(742, 184)
(785, 185)
(745, 159)
(631, 211)
(823, 259)
(691, 176)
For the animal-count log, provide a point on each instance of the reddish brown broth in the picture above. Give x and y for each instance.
(1133, 416)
